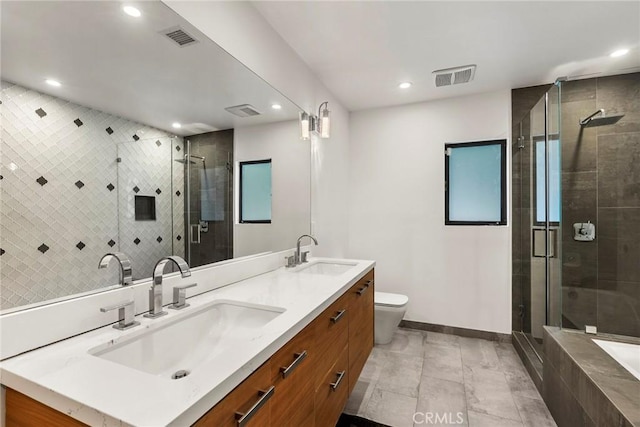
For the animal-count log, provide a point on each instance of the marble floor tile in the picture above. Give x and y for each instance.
(534, 412)
(480, 353)
(442, 361)
(487, 392)
(390, 408)
(401, 374)
(477, 419)
(438, 338)
(441, 402)
(483, 380)
(405, 341)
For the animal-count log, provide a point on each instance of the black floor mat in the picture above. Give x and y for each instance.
(355, 421)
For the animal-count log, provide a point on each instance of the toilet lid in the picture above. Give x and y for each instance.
(390, 300)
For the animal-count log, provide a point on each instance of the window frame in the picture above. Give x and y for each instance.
(503, 181)
(240, 187)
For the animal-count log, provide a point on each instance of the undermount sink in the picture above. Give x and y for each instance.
(330, 268)
(173, 349)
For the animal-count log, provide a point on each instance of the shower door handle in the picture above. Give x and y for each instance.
(195, 233)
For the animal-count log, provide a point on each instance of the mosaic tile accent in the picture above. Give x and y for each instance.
(178, 193)
(1, 251)
(57, 221)
(158, 143)
(79, 184)
(136, 137)
(158, 191)
(159, 239)
(78, 122)
(136, 189)
(136, 241)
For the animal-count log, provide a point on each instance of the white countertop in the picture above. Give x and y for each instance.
(96, 391)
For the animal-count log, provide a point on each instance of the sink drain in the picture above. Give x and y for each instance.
(180, 374)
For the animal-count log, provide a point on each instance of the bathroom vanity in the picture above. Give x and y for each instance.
(282, 348)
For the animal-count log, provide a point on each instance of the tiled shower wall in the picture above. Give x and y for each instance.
(68, 179)
(601, 184)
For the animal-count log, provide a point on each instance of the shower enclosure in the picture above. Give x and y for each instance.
(576, 209)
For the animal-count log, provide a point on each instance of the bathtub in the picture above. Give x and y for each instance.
(627, 355)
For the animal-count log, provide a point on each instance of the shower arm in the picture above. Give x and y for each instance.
(588, 118)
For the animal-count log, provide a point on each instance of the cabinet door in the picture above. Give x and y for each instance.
(332, 394)
(293, 374)
(331, 330)
(361, 307)
(23, 411)
(248, 405)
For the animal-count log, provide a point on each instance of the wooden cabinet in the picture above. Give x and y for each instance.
(305, 383)
(292, 373)
(361, 307)
(248, 405)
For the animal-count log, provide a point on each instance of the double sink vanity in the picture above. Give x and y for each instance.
(284, 347)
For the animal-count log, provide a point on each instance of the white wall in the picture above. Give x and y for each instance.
(239, 29)
(290, 184)
(454, 275)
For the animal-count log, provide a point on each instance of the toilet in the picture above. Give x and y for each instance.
(389, 311)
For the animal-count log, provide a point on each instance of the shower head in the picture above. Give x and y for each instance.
(603, 120)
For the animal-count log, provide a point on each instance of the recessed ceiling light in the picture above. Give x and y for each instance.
(619, 52)
(405, 85)
(132, 11)
(53, 82)
(276, 107)
(177, 125)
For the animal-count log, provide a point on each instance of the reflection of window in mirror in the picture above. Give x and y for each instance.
(255, 192)
(554, 181)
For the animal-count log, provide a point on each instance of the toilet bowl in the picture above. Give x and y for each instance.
(389, 311)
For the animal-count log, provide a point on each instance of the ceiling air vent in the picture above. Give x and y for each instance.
(244, 110)
(454, 76)
(179, 36)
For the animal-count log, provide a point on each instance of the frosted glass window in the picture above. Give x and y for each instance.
(554, 182)
(475, 190)
(255, 191)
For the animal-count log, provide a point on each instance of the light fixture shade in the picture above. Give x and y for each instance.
(305, 133)
(325, 123)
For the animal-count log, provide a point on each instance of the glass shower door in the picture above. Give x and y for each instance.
(539, 217)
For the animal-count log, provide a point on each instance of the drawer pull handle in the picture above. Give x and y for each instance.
(364, 289)
(338, 316)
(286, 370)
(243, 419)
(335, 385)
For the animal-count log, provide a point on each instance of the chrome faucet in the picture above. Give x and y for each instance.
(298, 259)
(126, 277)
(155, 293)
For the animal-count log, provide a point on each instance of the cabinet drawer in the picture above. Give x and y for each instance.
(332, 394)
(251, 398)
(293, 374)
(332, 334)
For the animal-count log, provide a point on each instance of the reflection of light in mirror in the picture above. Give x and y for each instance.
(276, 107)
(405, 85)
(132, 11)
(12, 166)
(52, 82)
(619, 52)
(177, 125)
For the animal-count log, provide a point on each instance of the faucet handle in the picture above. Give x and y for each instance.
(126, 314)
(304, 257)
(291, 261)
(180, 296)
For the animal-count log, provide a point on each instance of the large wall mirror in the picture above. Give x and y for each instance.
(126, 134)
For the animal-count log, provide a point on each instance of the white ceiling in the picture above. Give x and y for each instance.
(110, 61)
(362, 50)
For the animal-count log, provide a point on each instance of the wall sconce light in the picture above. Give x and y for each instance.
(320, 124)
(305, 126)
